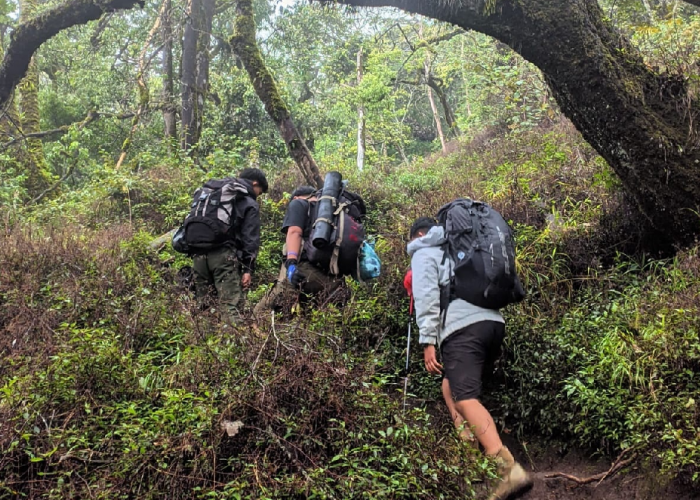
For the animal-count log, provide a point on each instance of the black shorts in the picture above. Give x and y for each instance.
(469, 354)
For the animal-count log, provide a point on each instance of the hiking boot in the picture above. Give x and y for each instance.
(514, 480)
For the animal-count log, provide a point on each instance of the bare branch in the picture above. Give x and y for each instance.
(91, 117)
(619, 464)
(51, 188)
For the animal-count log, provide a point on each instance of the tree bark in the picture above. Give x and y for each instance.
(644, 124)
(9, 116)
(202, 88)
(169, 108)
(195, 68)
(188, 70)
(360, 118)
(27, 38)
(246, 48)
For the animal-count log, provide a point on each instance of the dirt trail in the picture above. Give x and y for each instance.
(631, 483)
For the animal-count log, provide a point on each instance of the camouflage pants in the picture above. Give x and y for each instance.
(219, 270)
(318, 284)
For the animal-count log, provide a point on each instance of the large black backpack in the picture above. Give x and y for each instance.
(212, 219)
(481, 246)
(341, 257)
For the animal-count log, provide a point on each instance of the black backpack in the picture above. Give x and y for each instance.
(212, 219)
(481, 246)
(341, 257)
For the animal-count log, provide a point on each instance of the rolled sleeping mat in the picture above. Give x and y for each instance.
(327, 204)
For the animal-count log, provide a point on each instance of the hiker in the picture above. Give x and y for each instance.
(317, 271)
(224, 259)
(297, 273)
(465, 434)
(469, 338)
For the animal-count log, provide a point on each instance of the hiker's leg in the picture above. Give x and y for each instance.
(268, 302)
(465, 354)
(482, 423)
(203, 280)
(462, 427)
(227, 278)
(318, 283)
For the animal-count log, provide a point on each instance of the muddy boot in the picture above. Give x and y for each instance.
(514, 480)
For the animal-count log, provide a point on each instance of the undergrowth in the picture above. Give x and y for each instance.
(113, 385)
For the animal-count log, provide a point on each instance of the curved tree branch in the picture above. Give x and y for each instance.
(29, 36)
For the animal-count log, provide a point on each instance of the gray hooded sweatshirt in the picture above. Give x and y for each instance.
(429, 275)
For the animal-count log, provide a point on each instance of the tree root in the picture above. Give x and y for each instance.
(616, 466)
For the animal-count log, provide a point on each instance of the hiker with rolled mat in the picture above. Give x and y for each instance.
(324, 241)
(463, 268)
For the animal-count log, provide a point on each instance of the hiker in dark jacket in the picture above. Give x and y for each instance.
(469, 338)
(297, 273)
(229, 268)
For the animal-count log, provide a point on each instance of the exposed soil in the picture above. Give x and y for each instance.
(630, 483)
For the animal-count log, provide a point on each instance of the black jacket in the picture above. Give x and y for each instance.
(247, 238)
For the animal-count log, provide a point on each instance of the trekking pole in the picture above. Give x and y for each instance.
(408, 352)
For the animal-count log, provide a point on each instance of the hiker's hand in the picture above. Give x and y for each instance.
(431, 363)
(294, 276)
(245, 282)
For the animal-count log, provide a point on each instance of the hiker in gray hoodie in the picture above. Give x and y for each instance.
(469, 338)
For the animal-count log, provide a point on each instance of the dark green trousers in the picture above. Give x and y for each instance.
(219, 270)
(317, 284)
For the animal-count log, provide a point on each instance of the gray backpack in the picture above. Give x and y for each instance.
(481, 246)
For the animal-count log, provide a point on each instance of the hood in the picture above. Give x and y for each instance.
(249, 186)
(434, 238)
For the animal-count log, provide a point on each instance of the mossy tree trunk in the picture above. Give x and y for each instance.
(38, 176)
(641, 122)
(246, 48)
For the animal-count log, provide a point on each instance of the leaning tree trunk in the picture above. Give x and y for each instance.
(641, 122)
(38, 177)
(246, 48)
